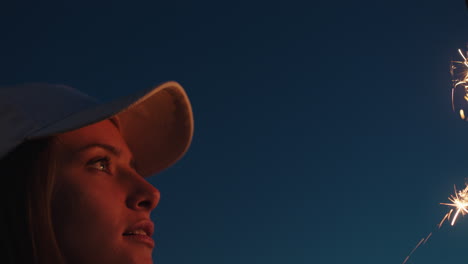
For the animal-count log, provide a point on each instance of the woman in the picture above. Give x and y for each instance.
(76, 171)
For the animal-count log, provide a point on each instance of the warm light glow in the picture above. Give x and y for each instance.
(447, 215)
(459, 71)
(460, 202)
(463, 56)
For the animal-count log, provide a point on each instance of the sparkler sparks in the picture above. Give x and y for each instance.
(460, 203)
(459, 200)
(459, 72)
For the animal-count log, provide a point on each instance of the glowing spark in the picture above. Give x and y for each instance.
(463, 56)
(459, 201)
(459, 72)
(412, 251)
(447, 216)
(427, 238)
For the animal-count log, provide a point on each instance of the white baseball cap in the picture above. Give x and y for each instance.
(157, 123)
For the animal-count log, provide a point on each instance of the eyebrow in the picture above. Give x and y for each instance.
(115, 151)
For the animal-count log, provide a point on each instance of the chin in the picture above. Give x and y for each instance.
(138, 258)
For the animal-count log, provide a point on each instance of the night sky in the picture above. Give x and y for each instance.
(323, 129)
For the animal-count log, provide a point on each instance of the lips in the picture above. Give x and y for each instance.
(144, 227)
(136, 232)
(140, 233)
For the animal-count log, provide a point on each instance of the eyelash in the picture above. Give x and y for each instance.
(105, 160)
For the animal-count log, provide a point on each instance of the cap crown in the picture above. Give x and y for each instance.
(27, 108)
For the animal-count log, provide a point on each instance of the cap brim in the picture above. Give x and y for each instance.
(157, 125)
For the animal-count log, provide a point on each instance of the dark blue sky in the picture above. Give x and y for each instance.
(324, 130)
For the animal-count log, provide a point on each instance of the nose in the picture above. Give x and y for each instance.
(143, 196)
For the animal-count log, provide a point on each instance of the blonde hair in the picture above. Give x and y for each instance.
(28, 233)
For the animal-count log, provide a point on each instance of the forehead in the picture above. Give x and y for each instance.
(104, 132)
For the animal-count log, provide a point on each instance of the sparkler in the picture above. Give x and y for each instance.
(459, 72)
(460, 203)
(459, 200)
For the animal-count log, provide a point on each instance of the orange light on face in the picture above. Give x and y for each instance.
(462, 114)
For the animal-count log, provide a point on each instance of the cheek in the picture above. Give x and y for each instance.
(86, 216)
(82, 195)
(72, 205)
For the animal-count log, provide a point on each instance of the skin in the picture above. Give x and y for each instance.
(95, 202)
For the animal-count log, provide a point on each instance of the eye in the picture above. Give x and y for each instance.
(102, 164)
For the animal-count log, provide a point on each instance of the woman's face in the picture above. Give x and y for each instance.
(99, 197)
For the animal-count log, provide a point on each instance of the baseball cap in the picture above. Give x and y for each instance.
(156, 123)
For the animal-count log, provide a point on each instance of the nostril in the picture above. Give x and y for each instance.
(145, 204)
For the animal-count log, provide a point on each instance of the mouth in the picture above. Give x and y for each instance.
(140, 233)
(142, 228)
(136, 232)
